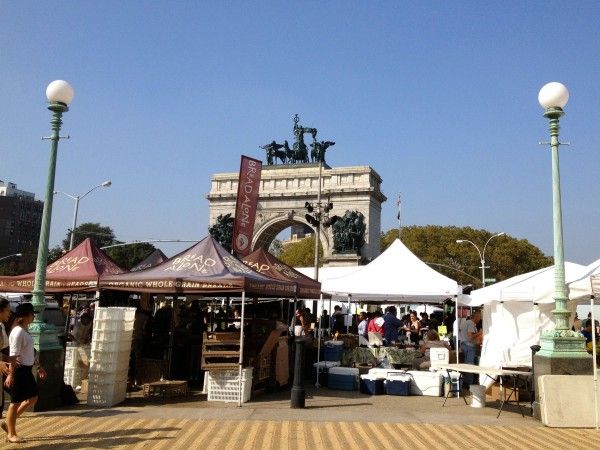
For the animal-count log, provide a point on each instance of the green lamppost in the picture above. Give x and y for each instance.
(45, 336)
(562, 350)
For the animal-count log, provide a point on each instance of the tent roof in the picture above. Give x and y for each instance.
(204, 268)
(153, 259)
(77, 270)
(534, 287)
(395, 275)
(265, 263)
(586, 284)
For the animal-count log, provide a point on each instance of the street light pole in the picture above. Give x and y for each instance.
(481, 254)
(553, 97)
(562, 350)
(45, 336)
(14, 255)
(77, 198)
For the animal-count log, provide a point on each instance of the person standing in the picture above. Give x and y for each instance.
(391, 323)
(470, 338)
(4, 366)
(20, 379)
(363, 323)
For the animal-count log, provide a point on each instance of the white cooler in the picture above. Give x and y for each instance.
(426, 383)
(377, 372)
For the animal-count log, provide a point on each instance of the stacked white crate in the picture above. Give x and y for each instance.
(109, 363)
(76, 364)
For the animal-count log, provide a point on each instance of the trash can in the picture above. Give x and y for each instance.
(477, 396)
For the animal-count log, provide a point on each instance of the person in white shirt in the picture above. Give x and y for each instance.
(4, 366)
(20, 379)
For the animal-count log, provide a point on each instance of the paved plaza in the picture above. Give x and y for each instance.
(332, 419)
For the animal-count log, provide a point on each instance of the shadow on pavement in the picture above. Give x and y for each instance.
(104, 439)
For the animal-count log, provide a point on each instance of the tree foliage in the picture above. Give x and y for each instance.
(301, 253)
(101, 235)
(276, 248)
(222, 231)
(126, 256)
(506, 256)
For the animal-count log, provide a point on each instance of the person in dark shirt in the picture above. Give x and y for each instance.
(588, 332)
(391, 323)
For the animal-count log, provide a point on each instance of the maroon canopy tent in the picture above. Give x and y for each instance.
(263, 262)
(77, 271)
(154, 259)
(205, 268)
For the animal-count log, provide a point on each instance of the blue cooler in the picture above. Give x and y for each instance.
(333, 350)
(371, 384)
(322, 368)
(397, 384)
(343, 378)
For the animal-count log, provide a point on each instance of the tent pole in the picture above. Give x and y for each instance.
(457, 327)
(348, 317)
(241, 362)
(593, 319)
(455, 331)
(319, 319)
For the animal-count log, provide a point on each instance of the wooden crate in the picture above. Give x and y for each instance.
(220, 351)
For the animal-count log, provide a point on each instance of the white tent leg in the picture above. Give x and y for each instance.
(320, 319)
(241, 362)
(594, 357)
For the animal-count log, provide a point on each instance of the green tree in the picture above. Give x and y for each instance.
(101, 235)
(506, 256)
(54, 253)
(128, 256)
(301, 253)
(276, 248)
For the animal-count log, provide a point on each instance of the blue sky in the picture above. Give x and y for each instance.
(439, 97)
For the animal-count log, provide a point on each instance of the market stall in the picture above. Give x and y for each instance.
(205, 269)
(76, 271)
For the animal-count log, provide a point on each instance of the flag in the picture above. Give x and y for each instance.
(246, 203)
(398, 205)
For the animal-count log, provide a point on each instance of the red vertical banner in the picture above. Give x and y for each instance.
(245, 208)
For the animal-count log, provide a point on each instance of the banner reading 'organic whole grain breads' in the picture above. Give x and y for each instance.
(245, 210)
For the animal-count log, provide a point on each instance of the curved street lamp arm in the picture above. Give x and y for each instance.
(488, 241)
(64, 193)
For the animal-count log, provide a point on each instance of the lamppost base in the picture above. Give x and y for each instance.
(51, 358)
(562, 353)
(298, 395)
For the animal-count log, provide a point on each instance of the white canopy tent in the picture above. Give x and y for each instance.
(395, 275)
(516, 312)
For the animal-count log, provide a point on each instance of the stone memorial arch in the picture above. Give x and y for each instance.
(294, 176)
(284, 190)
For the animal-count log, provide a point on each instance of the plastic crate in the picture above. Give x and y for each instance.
(111, 346)
(113, 325)
(223, 385)
(71, 357)
(109, 361)
(73, 376)
(108, 377)
(111, 336)
(106, 394)
(114, 313)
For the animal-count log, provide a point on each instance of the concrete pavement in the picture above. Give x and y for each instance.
(332, 419)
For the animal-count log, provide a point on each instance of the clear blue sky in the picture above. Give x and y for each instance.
(439, 97)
